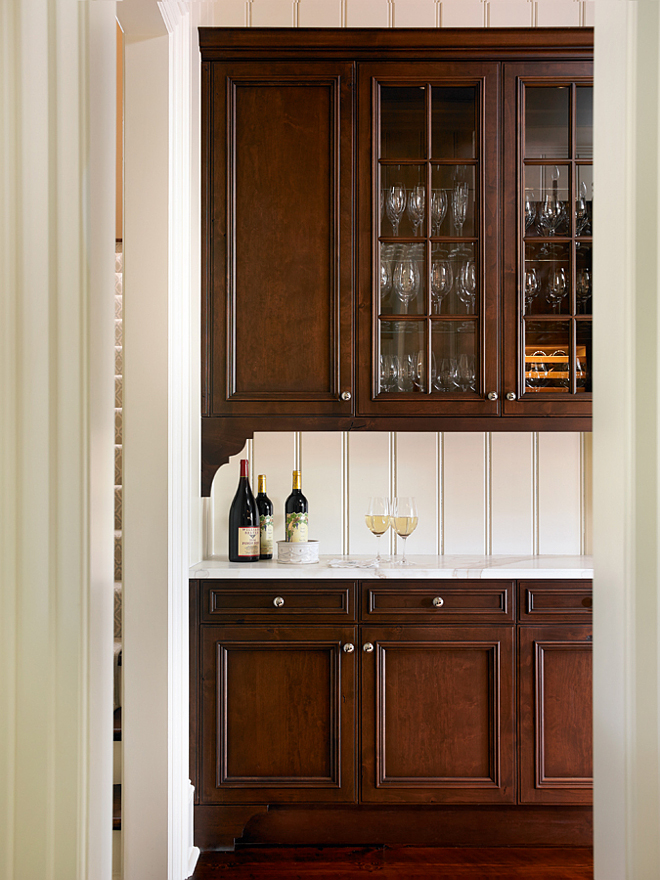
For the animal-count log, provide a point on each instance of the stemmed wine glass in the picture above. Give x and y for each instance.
(441, 281)
(438, 209)
(581, 210)
(416, 207)
(395, 204)
(466, 285)
(530, 209)
(406, 281)
(404, 522)
(378, 518)
(531, 288)
(459, 204)
(467, 375)
(557, 288)
(583, 287)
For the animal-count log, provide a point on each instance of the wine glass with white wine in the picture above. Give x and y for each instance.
(404, 522)
(377, 519)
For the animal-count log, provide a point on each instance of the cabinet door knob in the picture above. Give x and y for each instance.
(438, 601)
(492, 395)
(278, 601)
(368, 648)
(510, 395)
(348, 648)
(346, 395)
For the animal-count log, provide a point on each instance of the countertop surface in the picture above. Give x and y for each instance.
(430, 567)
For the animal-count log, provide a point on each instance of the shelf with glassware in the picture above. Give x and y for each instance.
(553, 364)
(430, 337)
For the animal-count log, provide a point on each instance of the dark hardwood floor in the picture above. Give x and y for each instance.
(397, 863)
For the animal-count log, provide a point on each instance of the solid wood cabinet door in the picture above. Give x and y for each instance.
(438, 715)
(277, 714)
(277, 303)
(555, 685)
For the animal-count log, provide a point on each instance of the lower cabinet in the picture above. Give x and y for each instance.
(456, 696)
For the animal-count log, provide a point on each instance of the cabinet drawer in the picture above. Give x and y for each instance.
(554, 601)
(438, 602)
(274, 600)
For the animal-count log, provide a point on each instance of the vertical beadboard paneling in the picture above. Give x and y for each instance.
(463, 13)
(558, 13)
(464, 496)
(274, 455)
(417, 474)
(560, 489)
(511, 493)
(587, 492)
(228, 13)
(223, 490)
(368, 474)
(415, 13)
(322, 464)
(319, 13)
(510, 13)
(367, 13)
(273, 13)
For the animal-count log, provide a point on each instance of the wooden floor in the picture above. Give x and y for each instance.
(396, 862)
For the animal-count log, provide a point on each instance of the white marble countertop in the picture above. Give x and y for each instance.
(435, 567)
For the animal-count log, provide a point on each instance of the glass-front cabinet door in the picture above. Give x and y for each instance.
(428, 231)
(547, 284)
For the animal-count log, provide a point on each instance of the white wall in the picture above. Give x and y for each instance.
(523, 493)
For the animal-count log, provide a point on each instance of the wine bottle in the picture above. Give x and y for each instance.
(265, 508)
(243, 522)
(295, 510)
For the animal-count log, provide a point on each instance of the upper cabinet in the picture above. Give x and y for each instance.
(396, 231)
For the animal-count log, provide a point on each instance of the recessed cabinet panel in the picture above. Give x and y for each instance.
(437, 715)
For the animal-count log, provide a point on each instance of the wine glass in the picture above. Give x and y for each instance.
(441, 281)
(531, 288)
(416, 207)
(404, 522)
(537, 375)
(447, 379)
(583, 287)
(466, 285)
(459, 203)
(551, 213)
(378, 518)
(406, 281)
(467, 375)
(420, 371)
(581, 210)
(438, 209)
(385, 273)
(530, 209)
(557, 287)
(395, 204)
(407, 372)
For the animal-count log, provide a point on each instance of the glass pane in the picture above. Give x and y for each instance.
(455, 281)
(453, 122)
(584, 112)
(403, 279)
(403, 122)
(454, 363)
(547, 347)
(583, 279)
(547, 122)
(583, 356)
(403, 200)
(545, 206)
(403, 356)
(453, 201)
(584, 199)
(546, 280)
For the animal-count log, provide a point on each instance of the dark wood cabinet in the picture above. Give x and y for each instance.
(437, 695)
(368, 257)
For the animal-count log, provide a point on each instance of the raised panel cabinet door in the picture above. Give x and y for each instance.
(277, 299)
(277, 714)
(555, 686)
(428, 146)
(437, 715)
(547, 243)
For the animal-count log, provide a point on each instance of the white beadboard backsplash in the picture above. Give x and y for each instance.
(513, 493)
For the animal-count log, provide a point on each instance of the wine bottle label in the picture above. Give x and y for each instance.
(248, 541)
(266, 529)
(296, 527)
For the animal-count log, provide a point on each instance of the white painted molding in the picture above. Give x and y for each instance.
(56, 451)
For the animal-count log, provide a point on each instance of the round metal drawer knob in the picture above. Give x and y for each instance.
(438, 601)
(510, 395)
(346, 395)
(492, 395)
(278, 601)
(368, 648)
(348, 648)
